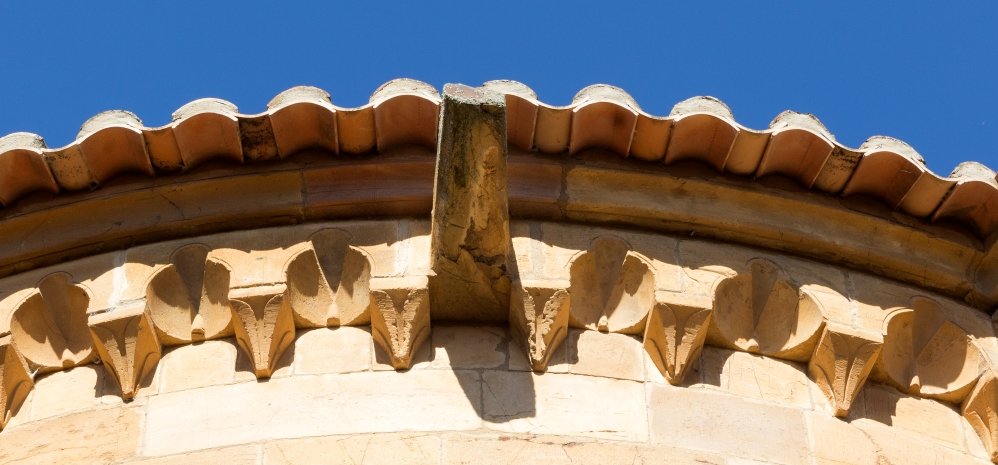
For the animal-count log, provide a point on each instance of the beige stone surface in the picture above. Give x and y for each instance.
(345, 349)
(418, 400)
(67, 391)
(756, 377)
(361, 449)
(198, 365)
(486, 449)
(607, 355)
(469, 347)
(899, 447)
(102, 436)
(727, 425)
(558, 360)
(836, 442)
(927, 418)
(238, 455)
(552, 403)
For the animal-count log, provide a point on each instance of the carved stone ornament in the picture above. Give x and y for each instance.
(538, 319)
(675, 336)
(329, 284)
(927, 354)
(400, 320)
(264, 326)
(763, 312)
(127, 344)
(188, 300)
(981, 411)
(841, 363)
(50, 327)
(613, 289)
(15, 380)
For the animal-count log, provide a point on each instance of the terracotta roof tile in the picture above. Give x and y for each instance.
(405, 111)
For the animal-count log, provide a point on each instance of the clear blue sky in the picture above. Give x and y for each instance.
(925, 72)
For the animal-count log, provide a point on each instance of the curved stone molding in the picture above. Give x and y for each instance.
(927, 354)
(400, 318)
(538, 318)
(613, 288)
(50, 327)
(981, 411)
(841, 363)
(329, 284)
(264, 326)
(762, 311)
(15, 380)
(675, 336)
(188, 299)
(404, 111)
(126, 343)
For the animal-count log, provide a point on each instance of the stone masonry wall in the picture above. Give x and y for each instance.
(470, 398)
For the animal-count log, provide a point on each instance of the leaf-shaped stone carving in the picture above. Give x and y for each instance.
(127, 344)
(612, 288)
(763, 312)
(539, 319)
(674, 338)
(188, 300)
(15, 380)
(329, 284)
(842, 362)
(925, 353)
(264, 327)
(981, 411)
(50, 327)
(400, 322)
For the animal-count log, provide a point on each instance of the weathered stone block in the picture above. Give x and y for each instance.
(360, 449)
(727, 425)
(419, 400)
(564, 404)
(469, 346)
(345, 349)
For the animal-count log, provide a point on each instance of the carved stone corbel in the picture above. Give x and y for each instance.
(674, 337)
(264, 326)
(841, 363)
(400, 318)
(127, 345)
(188, 299)
(613, 288)
(927, 354)
(15, 380)
(538, 319)
(981, 411)
(762, 311)
(50, 327)
(329, 284)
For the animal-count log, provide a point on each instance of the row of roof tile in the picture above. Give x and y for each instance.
(405, 111)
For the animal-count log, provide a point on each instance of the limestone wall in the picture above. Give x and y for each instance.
(470, 398)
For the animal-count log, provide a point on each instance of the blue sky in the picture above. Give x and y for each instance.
(924, 72)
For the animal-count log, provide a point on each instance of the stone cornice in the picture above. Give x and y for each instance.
(487, 232)
(378, 169)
